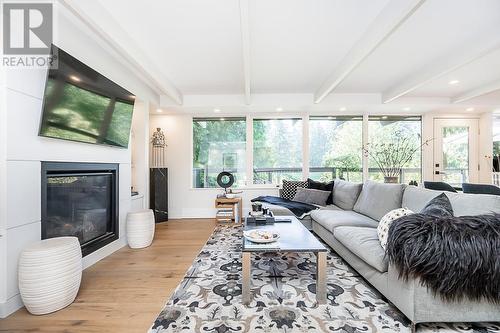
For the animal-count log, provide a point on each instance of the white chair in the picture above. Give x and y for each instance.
(140, 228)
(50, 272)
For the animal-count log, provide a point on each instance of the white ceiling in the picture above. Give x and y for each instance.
(295, 46)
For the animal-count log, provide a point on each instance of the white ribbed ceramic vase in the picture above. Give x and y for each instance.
(140, 228)
(50, 272)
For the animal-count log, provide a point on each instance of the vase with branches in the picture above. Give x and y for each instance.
(391, 157)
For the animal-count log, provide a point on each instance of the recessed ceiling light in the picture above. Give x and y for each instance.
(216, 110)
(159, 110)
(384, 117)
(469, 109)
(279, 109)
(406, 109)
(222, 119)
(75, 78)
(343, 108)
(453, 82)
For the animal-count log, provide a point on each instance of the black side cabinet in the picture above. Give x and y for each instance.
(158, 193)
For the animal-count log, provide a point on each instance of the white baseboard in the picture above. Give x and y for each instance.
(12, 305)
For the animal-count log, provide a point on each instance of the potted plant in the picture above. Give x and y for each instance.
(391, 157)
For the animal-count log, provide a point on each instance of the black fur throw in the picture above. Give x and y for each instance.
(455, 257)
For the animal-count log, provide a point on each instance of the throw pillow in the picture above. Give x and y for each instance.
(290, 188)
(323, 187)
(440, 206)
(385, 223)
(345, 193)
(311, 196)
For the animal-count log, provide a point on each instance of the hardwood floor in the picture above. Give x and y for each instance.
(125, 291)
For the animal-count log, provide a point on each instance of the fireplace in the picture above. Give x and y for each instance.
(80, 199)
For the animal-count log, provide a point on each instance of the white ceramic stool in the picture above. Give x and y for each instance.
(50, 272)
(140, 228)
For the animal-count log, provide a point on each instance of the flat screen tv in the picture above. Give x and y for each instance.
(82, 105)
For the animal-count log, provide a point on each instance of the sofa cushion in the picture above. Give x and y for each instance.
(440, 206)
(345, 193)
(331, 219)
(323, 187)
(474, 204)
(290, 188)
(377, 199)
(312, 196)
(364, 243)
(386, 221)
(415, 198)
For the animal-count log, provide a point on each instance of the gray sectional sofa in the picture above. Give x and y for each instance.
(349, 226)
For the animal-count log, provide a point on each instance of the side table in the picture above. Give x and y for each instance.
(229, 210)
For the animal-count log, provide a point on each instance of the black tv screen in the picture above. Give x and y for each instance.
(82, 105)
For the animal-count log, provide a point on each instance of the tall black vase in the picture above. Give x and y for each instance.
(158, 193)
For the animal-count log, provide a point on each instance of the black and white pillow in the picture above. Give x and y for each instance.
(386, 221)
(290, 188)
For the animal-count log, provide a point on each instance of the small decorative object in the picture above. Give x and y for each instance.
(140, 228)
(50, 272)
(158, 156)
(257, 208)
(225, 180)
(392, 157)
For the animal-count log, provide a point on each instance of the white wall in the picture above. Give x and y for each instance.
(140, 154)
(183, 200)
(21, 151)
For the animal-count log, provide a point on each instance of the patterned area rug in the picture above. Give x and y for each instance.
(283, 296)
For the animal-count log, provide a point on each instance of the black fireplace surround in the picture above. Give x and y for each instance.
(80, 199)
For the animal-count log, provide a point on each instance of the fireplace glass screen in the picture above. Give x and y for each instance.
(79, 205)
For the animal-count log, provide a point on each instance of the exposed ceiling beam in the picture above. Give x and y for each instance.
(245, 41)
(480, 91)
(394, 14)
(438, 69)
(100, 22)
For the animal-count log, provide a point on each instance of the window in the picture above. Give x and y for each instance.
(277, 150)
(218, 145)
(335, 148)
(389, 138)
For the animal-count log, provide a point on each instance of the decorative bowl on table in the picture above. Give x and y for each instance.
(261, 236)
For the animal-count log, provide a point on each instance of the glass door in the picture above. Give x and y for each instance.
(456, 151)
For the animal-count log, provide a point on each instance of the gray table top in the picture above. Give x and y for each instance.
(294, 237)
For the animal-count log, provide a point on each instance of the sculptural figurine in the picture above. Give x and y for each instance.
(158, 139)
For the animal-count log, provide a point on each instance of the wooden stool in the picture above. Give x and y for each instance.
(50, 272)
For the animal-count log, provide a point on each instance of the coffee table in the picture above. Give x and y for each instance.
(294, 237)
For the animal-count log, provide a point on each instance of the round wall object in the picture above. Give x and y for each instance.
(225, 179)
(49, 274)
(140, 228)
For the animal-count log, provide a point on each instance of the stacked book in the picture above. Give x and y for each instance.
(225, 214)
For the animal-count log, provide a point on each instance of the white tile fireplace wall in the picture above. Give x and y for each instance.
(21, 150)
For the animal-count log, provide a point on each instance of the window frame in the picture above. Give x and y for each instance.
(305, 117)
(191, 147)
